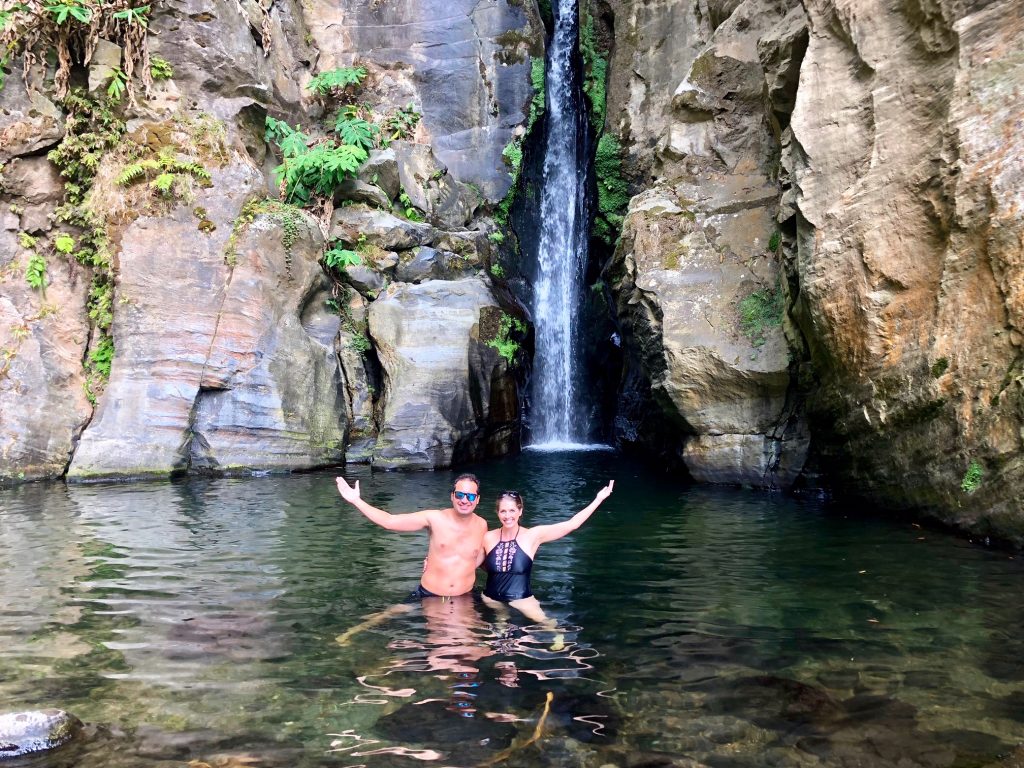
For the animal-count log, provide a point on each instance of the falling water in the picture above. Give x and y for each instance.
(557, 416)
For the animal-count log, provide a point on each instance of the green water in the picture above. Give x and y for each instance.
(196, 620)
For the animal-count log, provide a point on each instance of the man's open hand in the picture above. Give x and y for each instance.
(349, 493)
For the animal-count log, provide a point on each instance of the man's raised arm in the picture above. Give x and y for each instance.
(413, 521)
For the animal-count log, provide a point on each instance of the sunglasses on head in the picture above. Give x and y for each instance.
(510, 494)
(460, 495)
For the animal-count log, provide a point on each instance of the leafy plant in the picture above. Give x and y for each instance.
(498, 271)
(74, 10)
(64, 243)
(410, 211)
(35, 272)
(507, 346)
(496, 237)
(309, 170)
(972, 478)
(341, 258)
(775, 241)
(118, 79)
(160, 69)
(168, 170)
(102, 356)
(357, 131)
(25, 240)
(339, 79)
(134, 15)
(401, 123)
(537, 81)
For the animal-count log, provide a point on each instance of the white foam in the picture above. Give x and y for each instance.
(562, 447)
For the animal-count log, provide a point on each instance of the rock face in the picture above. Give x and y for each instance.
(431, 337)
(696, 273)
(463, 63)
(23, 733)
(191, 390)
(910, 252)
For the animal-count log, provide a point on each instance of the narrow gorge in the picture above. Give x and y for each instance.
(761, 243)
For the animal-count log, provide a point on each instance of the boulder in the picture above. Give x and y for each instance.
(379, 228)
(446, 202)
(448, 396)
(381, 170)
(39, 730)
(359, 191)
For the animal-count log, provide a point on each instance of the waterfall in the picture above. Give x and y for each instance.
(558, 411)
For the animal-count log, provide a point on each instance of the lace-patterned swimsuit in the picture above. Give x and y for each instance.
(508, 572)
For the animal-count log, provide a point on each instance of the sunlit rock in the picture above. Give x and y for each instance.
(23, 733)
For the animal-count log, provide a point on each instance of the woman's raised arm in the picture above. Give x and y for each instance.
(546, 533)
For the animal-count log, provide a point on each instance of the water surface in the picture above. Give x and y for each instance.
(196, 620)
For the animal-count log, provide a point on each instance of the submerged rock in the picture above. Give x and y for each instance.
(22, 733)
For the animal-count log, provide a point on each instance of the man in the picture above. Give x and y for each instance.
(456, 536)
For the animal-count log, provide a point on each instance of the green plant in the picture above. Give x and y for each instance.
(410, 211)
(596, 64)
(496, 237)
(357, 131)
(498, 271)
(160, 69)
(64, 243)
(26, 241)
(537, 81)
(503, 342)
(35, 272)
(92, 129)
(336, 79)
(612, 189)
(118, 81)
(102, 355)
(168, 171)
(775, 241)
(759, 311)
(401, 123)
(972, 478)
(311, 170)
(939, 367)
(341, 258)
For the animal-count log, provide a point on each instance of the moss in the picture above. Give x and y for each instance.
(939, 367)
(596, 81)
(759, 311)
(612, 189)
(537, 74)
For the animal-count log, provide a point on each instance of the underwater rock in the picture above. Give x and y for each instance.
(22, 733)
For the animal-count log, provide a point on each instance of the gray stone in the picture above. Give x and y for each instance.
(450, 59)
(106, 57)
(361, 192)
(380, 228)
(381, 170)
(448, 396)
(446, 202)
(364, 279)
(40, 730)
(28, 121)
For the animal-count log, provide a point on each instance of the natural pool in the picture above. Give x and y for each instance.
(196, 621)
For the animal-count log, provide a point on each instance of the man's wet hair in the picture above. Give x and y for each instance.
(467, 476)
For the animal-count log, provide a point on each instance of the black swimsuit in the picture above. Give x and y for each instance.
(508, 572)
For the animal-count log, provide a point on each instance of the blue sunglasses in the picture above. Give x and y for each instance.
(460, 495)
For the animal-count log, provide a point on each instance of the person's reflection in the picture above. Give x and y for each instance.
(455, 644)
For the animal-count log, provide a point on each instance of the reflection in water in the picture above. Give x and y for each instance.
(197, 620)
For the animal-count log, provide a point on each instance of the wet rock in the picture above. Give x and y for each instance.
(23, 733)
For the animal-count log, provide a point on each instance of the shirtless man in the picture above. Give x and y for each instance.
(456, 536)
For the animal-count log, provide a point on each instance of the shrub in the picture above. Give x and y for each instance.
(507, 347)
(336, 79)
(311, 170)
(759, 311)
(340, 258)
(972, 478)
(35, 272)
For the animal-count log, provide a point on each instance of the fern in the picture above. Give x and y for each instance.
(357, 131)
(340, 258)
(167, 167)
(339, 78)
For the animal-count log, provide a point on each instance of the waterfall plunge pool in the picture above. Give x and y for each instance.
(196, 620)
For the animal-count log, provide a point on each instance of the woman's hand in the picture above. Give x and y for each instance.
(605, 492)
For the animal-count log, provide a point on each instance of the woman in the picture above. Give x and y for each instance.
(509, 551)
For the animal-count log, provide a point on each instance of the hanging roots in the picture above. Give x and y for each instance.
(73, 28)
